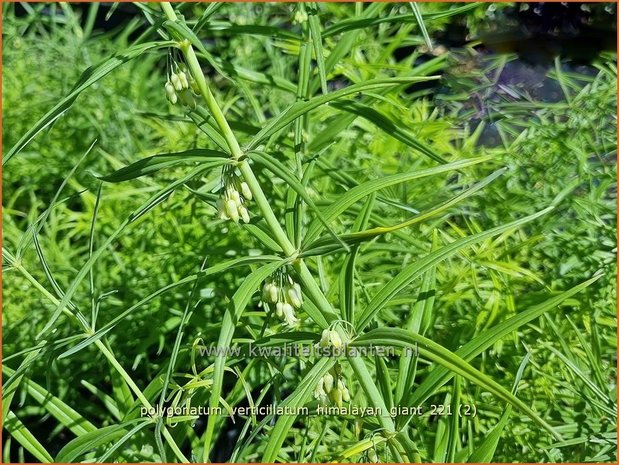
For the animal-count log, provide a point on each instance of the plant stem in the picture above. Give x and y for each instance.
(307, 280)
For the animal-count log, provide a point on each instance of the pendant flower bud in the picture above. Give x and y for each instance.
(176, 82)
(235, 202)
(328, 382)
(182, 77)
(244, 214)
(294, 295)
(324, 340)
(335, 339)
(319, 391)
(231, 210)
(270, 293)
(246, 191)
(170, 93)
(279, 309)
(234, 195)
(345, 395)
(336, 397)
(289, 315)
(330, 338)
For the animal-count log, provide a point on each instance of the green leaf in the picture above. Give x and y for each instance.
(218, 268)
(155, 163)
(22, 435)
(413, 270)
(397, 337)
(10, 385)
(476, 346)
(328, 245)
(87, 79)
(88, 442)
(391, 128)
(485, 451)
(142, 210)
(67, 416)
(358, 192)
(279, 169)
(297, 399)
(240, 299)
(300, 108)
(315, 34)
(355, 23)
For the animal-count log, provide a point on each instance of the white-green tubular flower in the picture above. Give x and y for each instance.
(234, 195)
(293, 293)
(279, 309)
(246, 191)
(328, 382)
(176, 82)
(289, 316)
(319, 391)
(324, 340)
(244, 214)
(335, 339)
(170, 93)
(270, 293)
(182, 77)
(231, 185)
(231, 210)
(330, 338)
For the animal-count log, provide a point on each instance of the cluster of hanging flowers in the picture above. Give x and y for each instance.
(331, 388)
(284, 294)
(180, 85)
(234, 196)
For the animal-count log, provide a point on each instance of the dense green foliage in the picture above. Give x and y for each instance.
(497, 314)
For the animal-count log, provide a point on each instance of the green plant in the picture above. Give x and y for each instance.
(300, 217)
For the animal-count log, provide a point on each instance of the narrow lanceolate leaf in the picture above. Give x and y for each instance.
(485, 452)
(300, 108)
(297, 399)
(347, 275)
(439, 376)
(359, 192)
(155, 163)
(397, 337)
(314, 27)
(240, 299)
(420, 314)
(356, 23)
(88, 442)
(88, 78)
(414, 270)
(137, 214)
(12, 383)
(66, 415)
(390, 127)
(328, 244)
(210, 271)
(24, 437)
